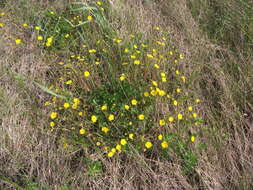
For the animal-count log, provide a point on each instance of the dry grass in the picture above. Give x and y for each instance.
(28, 154)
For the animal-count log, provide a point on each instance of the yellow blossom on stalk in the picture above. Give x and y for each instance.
(148, 144)
(80, 113)
(118, 147)
(93, 118)
(113, 150)
(197, 100)
(25, 25)
(122, 77)
(126, 50)
(192, 138)
(171, 119)
(160, 137)
(98, 143)
(163, 74)
(177, 72)
(47, 103)
(2, 14)
(105, 129)
(18, 41)
(162, 93)
(123, 142)
(40, 38)
(164, 79)
(67, 36)
(104, 108)
(61, 63)
(153, 92)
(164, 144)
(89, 18)
(66, 105)
(178, 90)
(181, 56)
(179, 116)
(134, 102)
(37, 27)
(162, 122)
(1, 25)
(150, 56)
(190, 108)
(110, 154)
(49, 41)
(135, 46)
(194, 115)
(69, 82)
(75, 106)
(92, 51)
(131, 136)
(175, 103)
(111, 117)
(146, 94)
(183, 78)
(137, 62)
(82, 131)
(86, 74)
(52, 124)
(156, 66)
(53, 115)
(127, 107)
(132, 56)
(76, 100)
(154, 83)
(141, 117)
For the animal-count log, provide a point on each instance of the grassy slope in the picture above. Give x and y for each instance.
(219, 54)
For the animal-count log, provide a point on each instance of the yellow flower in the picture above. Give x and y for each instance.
(131, 136)
(154, 83)
(80, 113)
(181, 56)
(69, 82)
(75, 106)
(137, 62)
(66, 105)
(76, 101)
(123, 142)
(18, 41)
(67, 36)
(93, 118)
(127, 107)
(192, 138)
(105, 129)
(177, 72)
(49, 41)
(171, 119)
(25, 25)
(183, 78)
(164, 79)
(86, 74)
(156, 66)
(164, 144)
(162, 122)
(53, 115)
(162, 93)
(179, 116)
(135, 46)
(148, 144)
(40, 38)
(141, 117)
(197, 100)
(153, 93)
(118, 147)
(111, 117)
(122, 77)
(37, 27)
(134, 102)
(133, 56)
(110, 154)
(52, 124)
(150, 56)
(190, 108)
(104, 107)
(99, 2)
(160, 137)
(175, 103)
(82, 131)
(113, 150)
(98, 143)
(178, 90)
(194, 115)
(1, 25)
(146, 94)
(92, 51)
(89, 18)
(126, 50)
(61, 63)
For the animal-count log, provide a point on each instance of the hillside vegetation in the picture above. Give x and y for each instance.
(126, 94)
